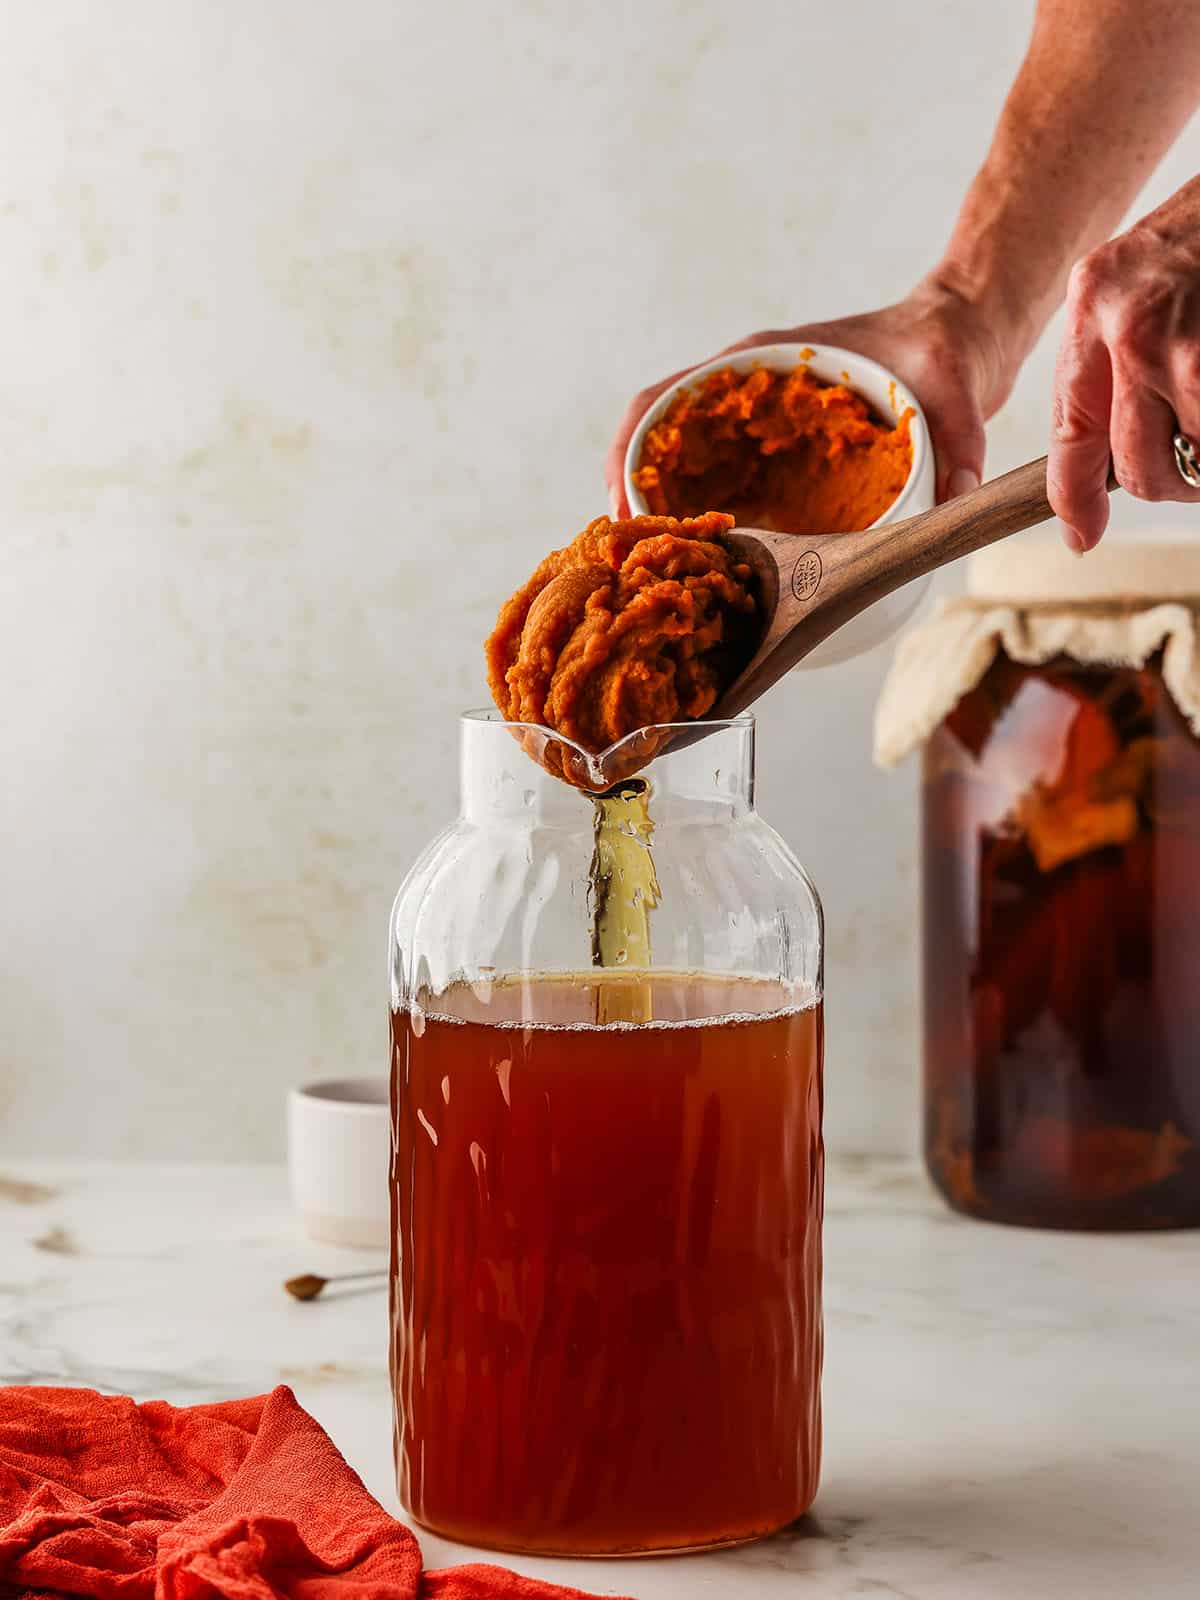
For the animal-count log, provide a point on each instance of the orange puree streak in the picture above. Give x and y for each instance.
(775, 450)
(633, 623)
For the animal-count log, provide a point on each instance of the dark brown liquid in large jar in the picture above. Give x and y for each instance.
(1062, 951)
(606, 1272)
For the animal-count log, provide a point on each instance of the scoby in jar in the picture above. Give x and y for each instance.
(633, 623)
(775, 450)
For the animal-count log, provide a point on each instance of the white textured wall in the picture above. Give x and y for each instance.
(293, 292)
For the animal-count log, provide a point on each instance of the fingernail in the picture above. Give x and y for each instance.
(961, 481)
(1074, 541)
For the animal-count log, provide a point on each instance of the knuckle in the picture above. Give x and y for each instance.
(1129, 480)
(1072, 422)
(1127, 349)
(1136, 341)
(1087, 278)
(941, 353)
(941, 377)
(964, 443)
(1136, 480)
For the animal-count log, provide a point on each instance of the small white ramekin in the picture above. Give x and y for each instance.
(339, 1141)
(887, 397)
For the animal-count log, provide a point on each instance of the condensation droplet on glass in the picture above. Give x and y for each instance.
(416, 1019)
(446, 1088)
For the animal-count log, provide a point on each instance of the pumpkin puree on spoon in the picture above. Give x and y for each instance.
(633, 623)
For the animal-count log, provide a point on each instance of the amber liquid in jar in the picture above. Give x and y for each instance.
(606, 1331)
(1062, 950)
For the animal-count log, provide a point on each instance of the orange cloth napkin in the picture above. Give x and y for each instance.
(248, 1499)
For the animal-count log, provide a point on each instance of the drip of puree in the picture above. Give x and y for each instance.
(633, 623)
(775, 450)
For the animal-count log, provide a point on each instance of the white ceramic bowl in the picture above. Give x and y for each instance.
(339, 1142)
(886, 396)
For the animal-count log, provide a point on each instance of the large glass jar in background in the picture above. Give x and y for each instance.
(1061, 863)
(607, 1183)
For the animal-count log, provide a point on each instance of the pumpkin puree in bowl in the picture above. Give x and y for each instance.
(633, 623)
(776, 450)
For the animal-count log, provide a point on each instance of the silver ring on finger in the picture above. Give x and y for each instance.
(1187, 459)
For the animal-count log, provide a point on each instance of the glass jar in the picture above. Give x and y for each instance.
(606, 1179)
(1061, 867)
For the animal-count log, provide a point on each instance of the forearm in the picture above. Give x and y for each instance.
(1105, 87)
(1104, 90)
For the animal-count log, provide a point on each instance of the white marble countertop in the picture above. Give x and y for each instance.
(1007, 1413)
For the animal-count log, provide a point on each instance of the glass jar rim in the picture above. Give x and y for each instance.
(658, 735)
(696, 727)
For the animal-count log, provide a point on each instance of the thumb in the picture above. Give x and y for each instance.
(956, 425)
(1077, 471)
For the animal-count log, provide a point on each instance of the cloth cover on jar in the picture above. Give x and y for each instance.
(1117, 606)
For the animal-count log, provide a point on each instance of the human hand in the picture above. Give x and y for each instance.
(935, 341)
(1128, 374)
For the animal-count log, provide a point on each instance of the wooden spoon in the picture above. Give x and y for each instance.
(809, 587)
(310, 1284)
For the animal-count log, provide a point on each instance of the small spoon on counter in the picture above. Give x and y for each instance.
(809, 587)
(308, 1285)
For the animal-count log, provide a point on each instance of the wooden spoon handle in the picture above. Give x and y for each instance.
(811, 587)
(844, 573)
(971, 522)
(860, 568)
